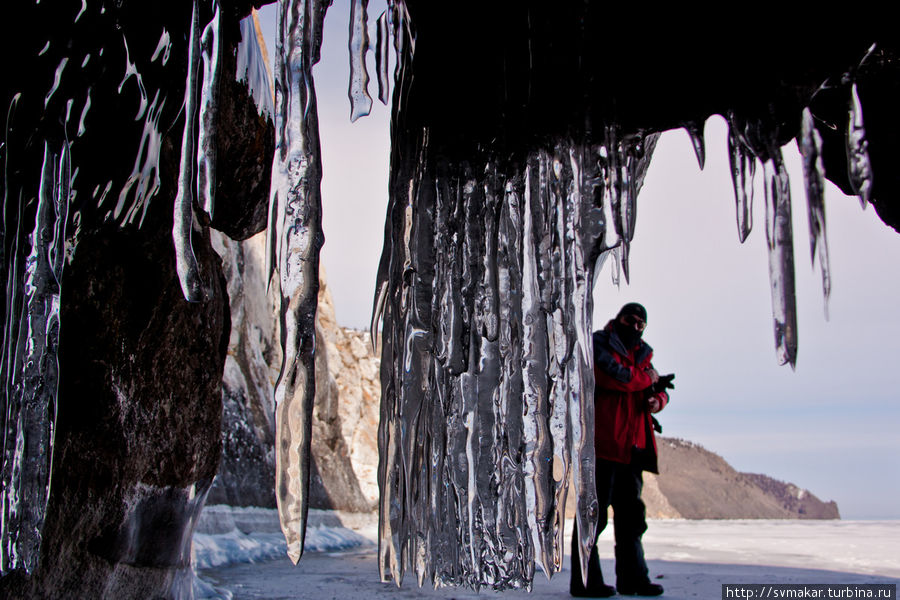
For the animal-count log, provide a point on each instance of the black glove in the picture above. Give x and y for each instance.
(664, 383)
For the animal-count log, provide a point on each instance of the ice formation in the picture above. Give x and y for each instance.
(487, 400)
(183, 220)
(360, 100)
(294, 239)
(30, 362)
(484, 291)
(39, 234)
(810, 144)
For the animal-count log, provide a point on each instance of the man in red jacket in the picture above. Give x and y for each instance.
(627, 391)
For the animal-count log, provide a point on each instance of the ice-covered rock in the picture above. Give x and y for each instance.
(135, 420)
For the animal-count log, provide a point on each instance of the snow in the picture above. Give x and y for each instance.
(228, 535)
(690, 558)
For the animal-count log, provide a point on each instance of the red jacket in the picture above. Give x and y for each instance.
(622, 420)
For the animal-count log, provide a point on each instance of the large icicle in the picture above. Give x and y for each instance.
(487, 381)
(211, 44)
(780, 244)
(588, 227)
(859, 165)
(743, 168)
(382, 57)
(624, 168)
(294, 240)
(695, 133)
(358, 92)
(183, 220)
(810, 144)
(30, 365)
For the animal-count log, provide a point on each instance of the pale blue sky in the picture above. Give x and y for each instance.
(831, 426)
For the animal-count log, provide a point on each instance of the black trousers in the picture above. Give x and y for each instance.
(618, 485)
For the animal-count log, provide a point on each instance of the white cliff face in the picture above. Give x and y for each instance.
(345, 415)
(355, 370)
(247, 471)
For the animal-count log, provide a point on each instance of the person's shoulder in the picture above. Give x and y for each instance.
(601, 336)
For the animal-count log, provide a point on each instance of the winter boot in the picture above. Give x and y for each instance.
(595, 587)
(632, 577)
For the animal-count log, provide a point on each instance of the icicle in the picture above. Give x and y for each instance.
(780, 244)
(814, 174)
(535, 362)
(615, 271)
(360, 100)
(185, 261)
(31, 367)
(294, 240)
(695, 132)
(485, 283)
(743, 168)
(211, 44)
(382, 58)
(619, 199)
(586, 227)
(625, 163)
(859, 165)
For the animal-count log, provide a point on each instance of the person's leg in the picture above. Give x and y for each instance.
(595, 587)
(629, 514)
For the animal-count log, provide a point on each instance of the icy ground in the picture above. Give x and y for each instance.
(242, 556)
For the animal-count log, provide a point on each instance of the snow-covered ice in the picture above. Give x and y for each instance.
(692, 559)
(227, 535)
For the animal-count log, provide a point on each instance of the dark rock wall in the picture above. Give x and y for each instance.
(140, 397)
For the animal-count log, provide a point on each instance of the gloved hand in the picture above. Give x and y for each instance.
(664, 383)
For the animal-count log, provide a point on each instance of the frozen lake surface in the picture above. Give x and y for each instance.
(692, 559)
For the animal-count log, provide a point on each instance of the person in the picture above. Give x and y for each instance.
(627, 392)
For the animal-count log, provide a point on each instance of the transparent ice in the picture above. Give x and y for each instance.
(780, 244)
(860, 168)
(810, 144)
(695, 132)
(360, 100)
(210, 47)
(743, 168)
(293, 243)
(30, 362)
(487, 403)
(183, 220)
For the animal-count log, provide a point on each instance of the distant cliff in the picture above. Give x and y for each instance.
(698, 484)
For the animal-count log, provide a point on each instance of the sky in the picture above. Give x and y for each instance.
(830, 426)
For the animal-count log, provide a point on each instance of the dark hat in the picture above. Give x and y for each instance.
(633, 308)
